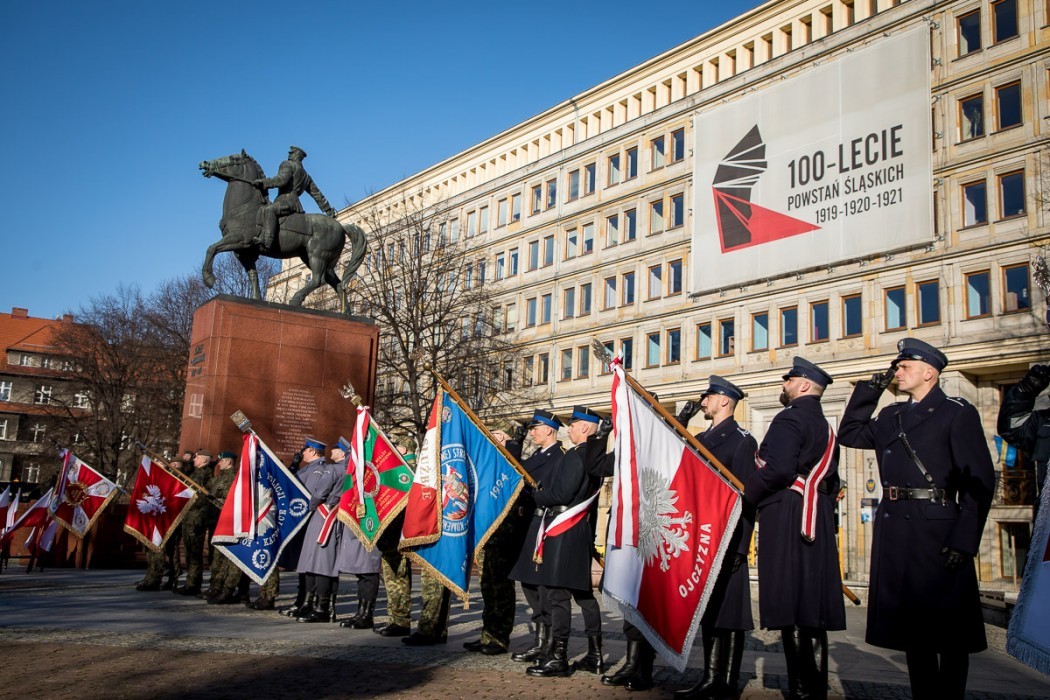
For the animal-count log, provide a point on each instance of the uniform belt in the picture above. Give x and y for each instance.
(552, 509)
(899, 493)
(800, 480)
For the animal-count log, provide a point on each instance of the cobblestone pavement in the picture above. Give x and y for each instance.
(89, 634)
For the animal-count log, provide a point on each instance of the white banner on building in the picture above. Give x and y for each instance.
(832, 164)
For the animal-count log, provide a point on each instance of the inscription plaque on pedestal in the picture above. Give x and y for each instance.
(283, 366)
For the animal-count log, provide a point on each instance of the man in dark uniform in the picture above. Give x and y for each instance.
(317, 560)
(195, 526)
(1028, 428)
(728, 613)
(291, 182)
(938, 481)
(794, 489)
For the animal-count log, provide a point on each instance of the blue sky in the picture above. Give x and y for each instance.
(110, 106)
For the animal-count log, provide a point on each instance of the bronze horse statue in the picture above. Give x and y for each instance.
(315, 239)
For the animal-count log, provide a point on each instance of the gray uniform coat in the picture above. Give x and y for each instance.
(320, 478)
(353, 558)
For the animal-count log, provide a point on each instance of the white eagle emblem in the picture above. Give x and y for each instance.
(153, 503)
(661, 531)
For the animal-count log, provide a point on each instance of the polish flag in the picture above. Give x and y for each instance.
(158, 502)
(5, 505)
(423, 510)
(35, 516)
(673, 515)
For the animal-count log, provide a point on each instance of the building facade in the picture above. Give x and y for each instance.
(594, 220)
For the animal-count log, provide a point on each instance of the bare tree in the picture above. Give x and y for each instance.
(429, 291)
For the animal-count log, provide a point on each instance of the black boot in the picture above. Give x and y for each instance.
(392, 630)
(300, 600)
(711, 683)
(319, 613)
(557, 664)
(628, 668)
(307, 609)
(363, 619)
(735, 655)
(331, 607)
(593, 662)
(789, 640)
(813, 664)
(538, 650)
(643, 677)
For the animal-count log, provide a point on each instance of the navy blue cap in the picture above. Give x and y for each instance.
(717, 385)
(915, 349)
(315, 444)
(541, 417)
(801, 367)
(585, 414)
(342, 444)
(227, 455)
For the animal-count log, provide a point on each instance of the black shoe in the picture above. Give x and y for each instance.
(473, 646)
(319, 615)
(418, 639)
(167, 585)
(628, 668)
(262, 603)
(556, 665)
(538, 650)
(643, 677)
(143, 586)
(493, 649)
(593, 662)
(392, 630)
(188, 590)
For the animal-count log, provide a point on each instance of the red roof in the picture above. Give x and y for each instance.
(20, 331)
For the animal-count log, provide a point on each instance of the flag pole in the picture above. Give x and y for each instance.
(481, 426)
(602, 353)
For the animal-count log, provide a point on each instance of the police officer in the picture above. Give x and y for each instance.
(728, 613)
(1026, 428)
(318, 558)
(800, 587)
(195, 526)
(352, 557)
(938, 482)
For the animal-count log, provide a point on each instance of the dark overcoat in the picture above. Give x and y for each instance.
(320, 478)
(799, 583)
(730, 604)
(914, 602)
(566, 557)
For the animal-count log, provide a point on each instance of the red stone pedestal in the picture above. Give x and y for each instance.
(282, 366)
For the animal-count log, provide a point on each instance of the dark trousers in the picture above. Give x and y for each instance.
(938, 676)
(323, 586)
(367, 587)
(536, 597)
(561, 611)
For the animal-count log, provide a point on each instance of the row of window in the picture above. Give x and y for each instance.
(1007, 108)
(1011, 195)
(42, 394)
(970, 38)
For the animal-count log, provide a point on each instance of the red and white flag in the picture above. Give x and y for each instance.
(35, 516)
(673, 515)
(158, 501)
(423, 510)
(80, 495)
(5, 506)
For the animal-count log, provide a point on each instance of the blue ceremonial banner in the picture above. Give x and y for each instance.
(279, 504)
(478, 486)
(1028, 636)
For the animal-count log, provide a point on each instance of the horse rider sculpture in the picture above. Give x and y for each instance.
(291, 181)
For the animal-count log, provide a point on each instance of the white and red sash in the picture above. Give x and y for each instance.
(807, 486)
(561, 523)
(331, 516)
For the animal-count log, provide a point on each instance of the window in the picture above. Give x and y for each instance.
(652, 350)
(674, 346)
(468, 276)
(677, 145)
(528, 370)
(656, 216)
(501, 212)
(971, 117)
(610, 293)
(512, 263)
(613, 167)
(590, 175)
(969, 27)
(472, 224)
(627, 348)
(587, 240)
(510, 317)
(928, 302)
(545, 308)
(789, 326)
(674, 277)
(483, 220)
(1016, 294)
(566, 365)
(38, 430)
(975, 204)
(818, 321)
(552, 193)
(25, 360)
(543, 368)
(573, 185)
(537, 198)
(548, 250)
(5, 391)
(677, 210)
(568, 302)
(3, 429)
(760, 331)
(530, 312)
(1008, 105)
(703, 341)
(896, 313)
(501, 266)
(655, 282)
(31, 473)
(852, 324)
(611, 351)
(1004, 20)
(1011, 195)
(534, 255)
(42, 395)
(978, 295)
(612, 230)
(570, 244)
(515, 207)
(628, 288)
(658, 149)
(583, 362)
(47, 362)
(630, 225)
(726, 337)
(631, 165)
(585, 299)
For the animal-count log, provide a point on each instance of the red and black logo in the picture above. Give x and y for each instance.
(742, 224)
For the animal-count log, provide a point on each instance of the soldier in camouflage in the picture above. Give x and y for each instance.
(195, 525)
(395, 569)
(226, 577)
(166, 560)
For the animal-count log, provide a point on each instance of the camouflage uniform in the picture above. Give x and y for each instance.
(194, 529)
(396, 572)
(433, 620)
(225, 576)
(495, 560)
